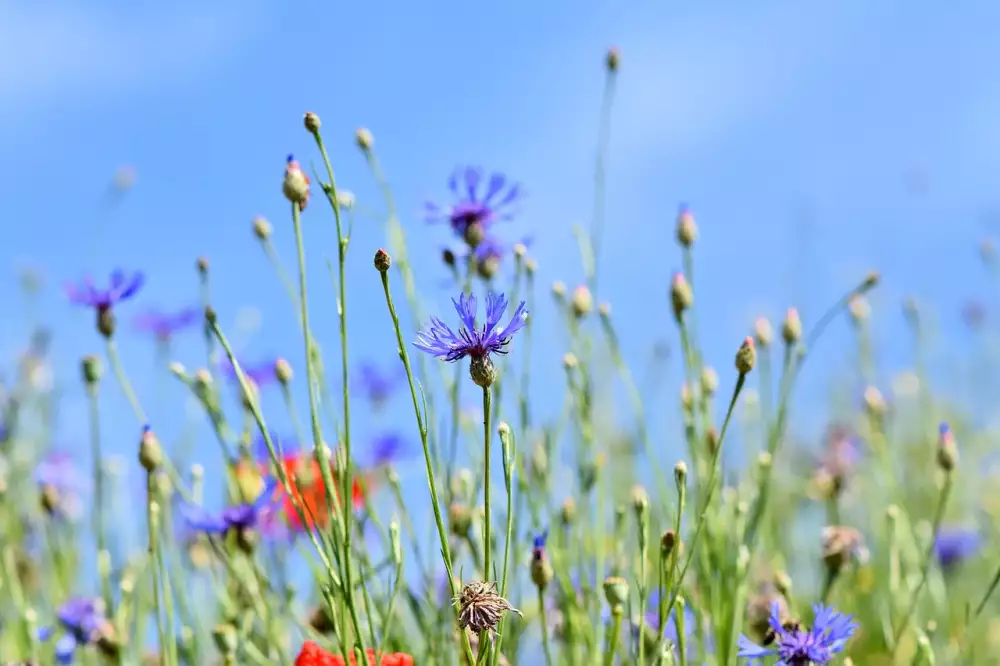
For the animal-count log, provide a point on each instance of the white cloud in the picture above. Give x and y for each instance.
(48, 53)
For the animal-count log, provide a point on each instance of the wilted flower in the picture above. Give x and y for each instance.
(953, 545)
(795, 646)
(164, 324)
(480, 607)
(376, 384)
(475, 207)
(121, 287)
(478, 345)
(84, 622)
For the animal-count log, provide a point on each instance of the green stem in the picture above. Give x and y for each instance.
(153, 524)
(487, 540)
(99, 500)
(615, 637)
(431, 481)
(927, 560)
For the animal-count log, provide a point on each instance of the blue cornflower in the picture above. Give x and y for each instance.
(385, 447)
(475, 209)
(489, 254)
(795, 646)
(478, 345)
(260, 373)
(376, 384)
(239, 518)
(84, 622)
(164, 324)
(952, 545)
(121, 287)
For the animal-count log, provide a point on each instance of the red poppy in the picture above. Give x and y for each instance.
(307, 488)
(313, 655)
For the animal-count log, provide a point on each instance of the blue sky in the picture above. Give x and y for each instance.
(794, 130)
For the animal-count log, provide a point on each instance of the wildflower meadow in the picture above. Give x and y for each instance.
(415, 477)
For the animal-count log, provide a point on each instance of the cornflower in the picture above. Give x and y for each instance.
(163, 325)
(84, 623)
(376, 384)
(953, 545)
(61, 485)
(121, 287)
(795, 646)
(475, 209)
(239, 518)
(478, 345)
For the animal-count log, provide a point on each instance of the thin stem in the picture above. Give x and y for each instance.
(600, 172)
(928, 559)
(615, 637)
(487, 542)
(431, 481)
(545, 627)
(153, 526)
(99, 500)
(124, 382)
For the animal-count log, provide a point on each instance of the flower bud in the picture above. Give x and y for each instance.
(460, 519)
(687, 230)
(482, 371)
(667, 543)
(150, 451)
(311, 122)
(567, 512)
(262, 228)
(709, 381)
(382, 260)
(226, 638)
(569, 360)
(202, 264)
(395, 546)
(874, 402)
(763, 332)
(681, 296)
(687, 398)
(613, 59)
(712, 439)
(106, 321)
(364, 138)
(640, 501)
(746, 356)
(840, 545)
(581, 302)
(474, 234)
(541, 569)
(178, 370)
(947, 451)
(531, 266)
(448, 257)
(558, 290)
(283, 371)
(791, 328)
(859, 308)
(871, 281)
(616, 591)
(91, 369)
(296, 184)
(680, 474)
(520, 250)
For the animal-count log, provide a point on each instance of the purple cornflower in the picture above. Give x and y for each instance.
(795, 646)
(259, 373)
(62, 485)
(376, 384)
(84, 622)
(121, 287)
(239, 518)
(163, 325)
(490, 253)
(385, 448)
(652, 627)
(953, 545)
(475, 208)
(478, 345)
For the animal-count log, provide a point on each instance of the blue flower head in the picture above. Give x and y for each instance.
(795, 646)
(260, 373)
(239, 518)
(475, 208)
(83, 620)
(163, 325)
(121, 287)
(376, 384)
(953, 545)
(478, 345)
(538, 543)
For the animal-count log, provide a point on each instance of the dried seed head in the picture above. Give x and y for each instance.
(480, 607)
(840, 545)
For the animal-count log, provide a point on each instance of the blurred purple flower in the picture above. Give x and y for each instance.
(953, 545)
(261, 373)
(475, 205)
(386, 447)
(841, 452)
(652, 621)
(243, 516)
(59, 477)
(83, 619)
(376, 384)
(444, 343)
(163, 325)
(120, 288)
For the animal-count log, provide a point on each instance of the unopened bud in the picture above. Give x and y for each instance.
(567, 512)
(382, 260)
(874, 402)
(581, 302)
(709, 380)
(763, 332)
(91, 369)
(712, 439)
(791, 328)
(681, 296)
(262, 228)
(177, 370)
(871, 281)
(202, 264)
(640, 501)
(616, 591)
(613, 59)
(459, 519)
(859, 308)
(531, 266)
(687, 398)
(283, 371)
(295, 185)
(311, 122)
(947, 451)
(569, 360)
(520, 250)
(667, 542)
(680, 474)
(448, 257)
(474, 234)
(150, 451)
(394, 543)
(687, 230)
(364, 138)
(226, 638)
(558, 290)
(746, 356)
